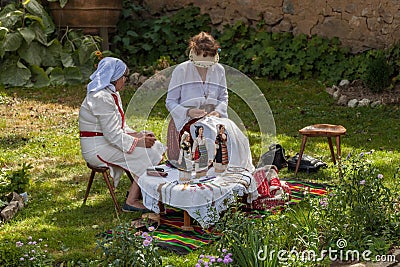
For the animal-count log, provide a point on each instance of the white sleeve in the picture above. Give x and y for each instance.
(177, 111)
(104, 108)
(222, 106)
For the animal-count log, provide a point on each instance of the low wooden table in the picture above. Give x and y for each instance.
(322, 130)
(202, 199)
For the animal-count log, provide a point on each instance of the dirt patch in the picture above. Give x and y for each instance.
(357, 90)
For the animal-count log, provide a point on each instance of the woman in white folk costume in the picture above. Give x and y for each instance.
(198, 96)
(197, 88)
(105, 138)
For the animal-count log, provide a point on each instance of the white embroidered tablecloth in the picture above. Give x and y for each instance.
(204, 199)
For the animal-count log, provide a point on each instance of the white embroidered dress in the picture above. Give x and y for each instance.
(187, 90)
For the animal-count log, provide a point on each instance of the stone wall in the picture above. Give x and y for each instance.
(359, 24)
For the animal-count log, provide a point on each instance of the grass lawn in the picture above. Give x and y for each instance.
(40, 127)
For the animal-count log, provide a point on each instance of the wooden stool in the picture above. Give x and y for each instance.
(104, 172)
(321, 130)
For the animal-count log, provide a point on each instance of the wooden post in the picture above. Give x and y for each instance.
(186, 222)
(104, 35)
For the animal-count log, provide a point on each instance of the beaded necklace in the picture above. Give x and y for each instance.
(196, 60)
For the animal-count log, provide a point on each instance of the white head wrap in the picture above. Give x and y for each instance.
(109, 70)
(184, 136)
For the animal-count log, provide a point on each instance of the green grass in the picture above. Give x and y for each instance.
(41, 127)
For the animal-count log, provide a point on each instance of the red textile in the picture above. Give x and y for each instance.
(267, 177)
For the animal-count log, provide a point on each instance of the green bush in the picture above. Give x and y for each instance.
(128, 247)
(141, 41)
(360, 206)
(280, 56)
(15, 181)
(377, 76)
(247, 240)
(9, 254)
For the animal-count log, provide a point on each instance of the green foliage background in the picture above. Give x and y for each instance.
(36, 54)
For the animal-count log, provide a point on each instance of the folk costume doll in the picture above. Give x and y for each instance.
(221, 150)
(185, 153)
(199, 151)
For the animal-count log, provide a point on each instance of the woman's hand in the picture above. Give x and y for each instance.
(196, 113)
(142, 134)
(214, 113)
(146, 141)
(148, 133)
(136, 134)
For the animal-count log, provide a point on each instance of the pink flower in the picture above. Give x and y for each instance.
(145, 234)
(362, 182)
(380, 176)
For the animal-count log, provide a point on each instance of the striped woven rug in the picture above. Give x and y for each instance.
(170, 236)
(300, 189)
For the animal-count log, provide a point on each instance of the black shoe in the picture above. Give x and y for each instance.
(129, 208)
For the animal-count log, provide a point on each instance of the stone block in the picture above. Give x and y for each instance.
(9, 212)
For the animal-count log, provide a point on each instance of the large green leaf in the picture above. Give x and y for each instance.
(12, 41)
(41, 35)
(35, 18)
(11, 18)
(2, 52)
(37, 9)
(57, 76)
(27, 34)
(86, 71)
(13, 73)
(34, 8)
(73, 75)
(33, 53)
(39, 77)
(52, 53)
(84, 54)
(67, 60)
(3, 32)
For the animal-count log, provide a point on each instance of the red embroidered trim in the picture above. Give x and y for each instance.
(135, 141)
(119, 109)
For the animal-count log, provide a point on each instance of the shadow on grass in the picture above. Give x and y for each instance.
(13, 141)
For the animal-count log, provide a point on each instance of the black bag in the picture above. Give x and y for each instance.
(275, 156)
(307, 163)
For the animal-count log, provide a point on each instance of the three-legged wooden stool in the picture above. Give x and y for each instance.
(104, 172)
(322, 130)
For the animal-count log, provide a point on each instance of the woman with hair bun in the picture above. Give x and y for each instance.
(197, 89)
(198, 96)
